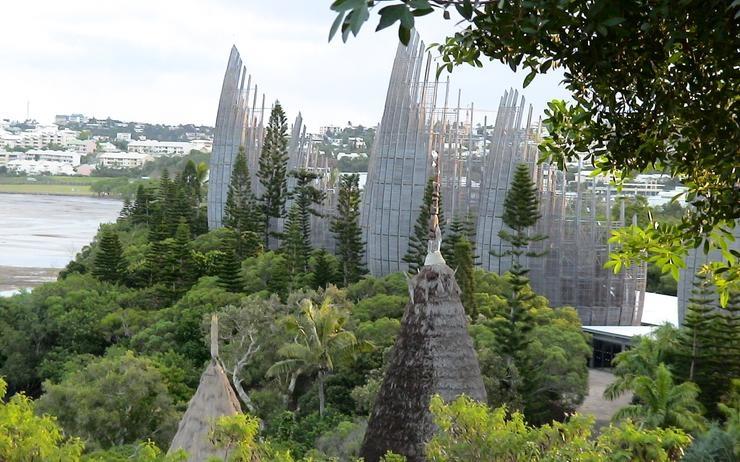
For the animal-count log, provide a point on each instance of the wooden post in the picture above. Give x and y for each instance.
(214, 336)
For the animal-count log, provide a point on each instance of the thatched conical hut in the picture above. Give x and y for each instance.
(433, 354)
(214, 398)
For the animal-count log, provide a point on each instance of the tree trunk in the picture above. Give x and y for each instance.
(242, 394)
(321, 393)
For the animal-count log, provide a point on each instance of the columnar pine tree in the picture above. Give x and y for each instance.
(417, 250)
(125, 210)
(141, 210)
(273, 166)
(229, 271)
(241, 211)
(460, 227)
(465, 275)
(513, 326)
(709, 343)
(184, 265)
(306, 196)
(191, 181)
(324, 270)
(170, 211)
(109, 265)
(295, 246)
(698, 314)
(345, 226)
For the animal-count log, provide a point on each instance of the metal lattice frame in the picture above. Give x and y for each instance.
(477, 166)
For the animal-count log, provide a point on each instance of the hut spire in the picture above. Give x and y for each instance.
(433, 355)
(434, 256)
(214, 398)
(214, 336)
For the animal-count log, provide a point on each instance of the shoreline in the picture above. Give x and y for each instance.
(61, 194)
(19, 278)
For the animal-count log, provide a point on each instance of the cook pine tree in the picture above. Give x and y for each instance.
(345, 225)
(459, 228)
(273, 172)
(513, 325)
(242, 213)
(305, 196)
(418, 240)
(108, 265)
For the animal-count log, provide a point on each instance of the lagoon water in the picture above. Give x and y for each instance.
(39, 232)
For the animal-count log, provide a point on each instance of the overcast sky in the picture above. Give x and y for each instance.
(163, 61)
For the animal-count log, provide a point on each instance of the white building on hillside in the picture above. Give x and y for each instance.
(81, 146)
(38, 167)
(202, 145)
(45, 135)
(160, 148)
(123, 159)
(66, 157)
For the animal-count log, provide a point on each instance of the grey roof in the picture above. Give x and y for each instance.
(213, 399)
(433, 354)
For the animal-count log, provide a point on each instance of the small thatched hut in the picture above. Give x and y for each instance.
(214, 398)
(433, 354)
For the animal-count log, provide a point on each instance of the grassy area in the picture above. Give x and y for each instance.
(59, 189)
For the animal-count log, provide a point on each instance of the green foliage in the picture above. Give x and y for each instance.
(113, 400)
(236, 434)
(417, 250)
(320, 341)
(344, 441)
(142, 452)
(555, 380)
(229, 272)
(662, 404)
(300, 435)
(305, 195)
(469, 431)
(345, 226)
(324, 269)
(459, 228)
(708, 350)
(249, 338)
(241, 211)
(109, 264)
(296, 246)
(42, 330)
(267, 272)
(642, 359)
(272, 173)
(379, 306)
(26, 437)
(715, 445)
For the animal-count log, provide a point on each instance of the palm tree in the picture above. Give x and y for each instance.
(663, 404)
(320, 341)
(641, 360)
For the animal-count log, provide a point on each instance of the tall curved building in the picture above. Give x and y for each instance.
(478, 163)
(400, 162)
(238, 123)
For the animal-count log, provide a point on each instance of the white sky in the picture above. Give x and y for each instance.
(163, 60)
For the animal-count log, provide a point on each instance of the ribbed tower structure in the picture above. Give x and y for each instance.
(478, 163)
(399, 164)
(238, 123)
